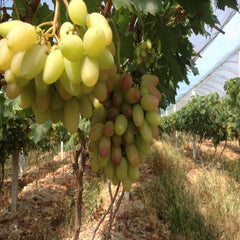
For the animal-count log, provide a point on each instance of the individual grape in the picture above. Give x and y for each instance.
(132, 95)
(132, 154)
(85, 106)
(104, 147)
(21, 37)
(126, 81)
(148, 44)
(27, 96)
(9, 77)
(33, 62)
(62, 92)
(149, 102)
(57, 115)
(71, 115)
(105, 59)
(95, 165)
(93, 146)
(133, 172)
(115, 180)
(96, 19)
(142, 146)
(77, 11)
(99, 115)
(54, 67)
(109, 170)
(146, 131)
(96, 132)
(57, 101)
(66, 29)
(104, 161)
(121, 124)
(86, 90)
(129, 134)
(153, 118)
(13, 90)
(126, 109)
(16, 63)
(121, 169)
(5, 27)
(71, 47)
(100, 91)
(111, 82)
(6, 55)
(143, 53)
(108, 129)
(138, 115)
(117, 140)
(89, 71)
(117, 97)
(94, 41)
(40, 84)
(72, 70)
(112, 113)
(42, 102)
(149, 79)
(116, 155)
(144, 91)
(127, 183)
(41, 117)
(103, 75)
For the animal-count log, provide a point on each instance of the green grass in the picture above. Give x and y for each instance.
(199, 203)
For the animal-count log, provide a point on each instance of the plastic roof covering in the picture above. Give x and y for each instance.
(213, 74)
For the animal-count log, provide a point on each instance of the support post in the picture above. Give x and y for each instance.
(176, 132)
(61, 150)
(194, 147)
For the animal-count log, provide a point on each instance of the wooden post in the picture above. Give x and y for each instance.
(14, 190)
(176, 132)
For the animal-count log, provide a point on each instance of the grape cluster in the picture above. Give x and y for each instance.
(145, 53)
(123, 127)
(58, 80)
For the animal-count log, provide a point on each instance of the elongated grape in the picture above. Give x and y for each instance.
(132, 154)
(142, 145)
(16, 63)
(138, 115)
(57, 115)
(21, 37)
(129, 134)
(104, 147)
(149, 79)
(40, 84)
(117, 97)
(6, 55)
(127, 183)
(105, 59)
(133, 172)
(13, 90)
(66, 29)
(77, 11)
(94, 41)
(27, 96)
(86, 90)
(95, 165)
(108, 129)
(9, 77)
(96, 132)
(71, 47)
(126, 81)
(115, 180)
(96, 19)
(155, 131)
(117, 140)
(121, 124)
(126, 109)
(41, 117)
(99, 115)
(149, 102)
(153, 118)
(132, 95)
(85, 106)
(112, 113)
(57, 101)
(73, 71)
(71, 115)
(93, 146)
(54, 67)
(89, 71)
(5, 27)
(33, 62)
(42, 102)
(62, 92)
(146, 131)
(109, 170)
(100, 91)
(116, 155)
(121, 170)
(104, 161)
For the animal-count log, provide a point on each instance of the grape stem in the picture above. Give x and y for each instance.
(16, 9)
(66, 3)
(45, 24)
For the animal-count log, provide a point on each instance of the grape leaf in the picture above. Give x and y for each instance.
(148, 6)
(123, 4)
(230, 3)
(38, 130)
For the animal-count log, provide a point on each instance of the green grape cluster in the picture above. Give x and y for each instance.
(145, 53)
(122, 128)
(59, 80)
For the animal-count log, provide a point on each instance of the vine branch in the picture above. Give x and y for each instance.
(132, 23)
(66, 3)
(16, 9)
